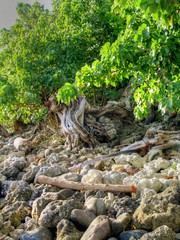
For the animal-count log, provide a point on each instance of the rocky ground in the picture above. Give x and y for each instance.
(33, 211)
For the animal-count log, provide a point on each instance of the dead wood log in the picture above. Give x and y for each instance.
(59, 182)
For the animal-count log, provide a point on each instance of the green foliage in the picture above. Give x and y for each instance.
(44, 49)
(101, 45)
(67, 93)
(145, 54)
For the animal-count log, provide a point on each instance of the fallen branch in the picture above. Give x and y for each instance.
(159, 140)
(59, 182)
(98, 159)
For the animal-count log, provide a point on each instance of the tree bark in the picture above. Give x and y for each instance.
(78, 125)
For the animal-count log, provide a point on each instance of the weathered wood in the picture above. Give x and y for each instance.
(72, 122)
(156, 143)
(61, 183)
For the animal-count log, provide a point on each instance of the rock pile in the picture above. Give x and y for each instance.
(30, 210)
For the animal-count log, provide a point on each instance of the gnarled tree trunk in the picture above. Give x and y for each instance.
(79, 120)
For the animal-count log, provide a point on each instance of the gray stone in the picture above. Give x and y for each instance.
(1, 221)
(160, 233)
(177, 236)
(17, 233)
(10, 172)
(18, 191)
(12, 166)
(67, 193)
(40, 203)
(152, 183)
(71, 177)
(99, 229)
(5, 186)
(157, 165)
(135, 160)
(2, 177)
(95, 205)
(16, 212)
(2, 157)
(51, 171)
(132, 235)
(30, 224)
(159, 209)
(37, 234)
(120, 223)
(57, 210)
(82, 217)
(123, 205)
(67, 231)
(30, 174)
(109, 126)
(147, 192)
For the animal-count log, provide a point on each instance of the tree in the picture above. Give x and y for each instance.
(103, 45)
(44, 50)
(145, 54)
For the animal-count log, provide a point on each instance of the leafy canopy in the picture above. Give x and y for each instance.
(145, 54)
(95, 47)
(44, 50)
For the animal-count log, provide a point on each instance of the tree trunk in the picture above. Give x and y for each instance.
(79, 120)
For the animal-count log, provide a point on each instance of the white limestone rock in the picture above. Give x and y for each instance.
(135, 160)
(169, 183)
(142, 183)
(113, 177)
(93, 176)
(149, 183)
(147, 192)
(157, 165)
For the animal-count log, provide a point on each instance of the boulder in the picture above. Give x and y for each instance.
(57, 210)
(159, 209)
(120, 223)
(99, 229)
(37, 234)
(67, 231)
(160, 233)
(16, 212)
(92, 176)
(95, 205)
(82, 217)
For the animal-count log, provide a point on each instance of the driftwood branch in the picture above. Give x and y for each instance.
(153, 142)
(59, 182)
